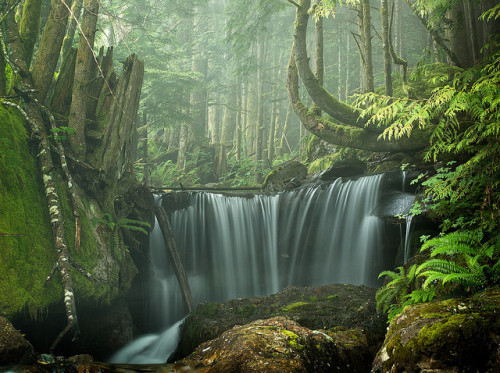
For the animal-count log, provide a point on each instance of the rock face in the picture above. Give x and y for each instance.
(457, 335)
(324, 307)
(279, 344)
(288, 176)
(344, 168)
(14, 349)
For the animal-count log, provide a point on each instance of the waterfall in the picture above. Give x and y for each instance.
(235, 246)
(407, 247)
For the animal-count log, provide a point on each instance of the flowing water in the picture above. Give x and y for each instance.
(239, 247)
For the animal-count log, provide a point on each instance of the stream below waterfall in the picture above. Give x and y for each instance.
(235, 246)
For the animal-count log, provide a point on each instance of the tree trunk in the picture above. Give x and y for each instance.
(166, 229)
(366, 46)
(76, 10)
(46, 59)
(3, 77)
(145, 177)
(259, 128)
(471, 19)
(84, 75)
(238, 118)
(29, 26)
(347, 68)
(319, 56)
(386, 41)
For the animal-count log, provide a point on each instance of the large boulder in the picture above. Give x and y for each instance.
(456, 335)
(350, 167)
(280, 345)
(288, 176)
(14, 348)
(324, 307)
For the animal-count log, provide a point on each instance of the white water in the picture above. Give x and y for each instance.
(239, 247)
(407, 247)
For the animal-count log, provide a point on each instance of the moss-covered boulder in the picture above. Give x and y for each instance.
(14, 349)
(280, 345)
(324, 307)
(456, 335)
(349, 167)
(288, 176)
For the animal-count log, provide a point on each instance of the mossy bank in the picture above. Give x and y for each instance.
(27, 252)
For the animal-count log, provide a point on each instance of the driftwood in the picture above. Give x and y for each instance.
(166, 229)
(202, 189)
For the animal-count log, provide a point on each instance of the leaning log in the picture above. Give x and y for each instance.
(166, 229)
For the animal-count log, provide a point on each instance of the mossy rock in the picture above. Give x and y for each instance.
(279, 344)
(322, 307)
(14, 349)
(457, 335)
(322, 164)
(288, 176)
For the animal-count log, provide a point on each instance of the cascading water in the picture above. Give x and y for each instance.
(238, 247)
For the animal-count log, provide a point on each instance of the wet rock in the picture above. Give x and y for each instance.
(344, 168)
(14, 348)
(322, 307)
(457, 335)
(288, 176)
(279, 344)
(175, 201)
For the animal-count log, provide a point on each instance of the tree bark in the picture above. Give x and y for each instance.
(84, 75)
(76, 10)
(46, 59)
(29, 26)
(386, 42)
(319, 56)
(366, 46)
(164, 223)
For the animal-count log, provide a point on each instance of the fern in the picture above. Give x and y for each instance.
(463, 260)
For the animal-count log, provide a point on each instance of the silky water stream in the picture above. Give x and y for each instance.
(235, 246)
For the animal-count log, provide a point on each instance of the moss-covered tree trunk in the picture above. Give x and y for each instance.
(84, 75)
(346, 128)
(47, 56)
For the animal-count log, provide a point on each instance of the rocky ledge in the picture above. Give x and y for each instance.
(326, 311)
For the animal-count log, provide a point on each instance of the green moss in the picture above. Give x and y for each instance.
(247, 310)
(292, 339)
(295, 306)
(208, 309)
(333, 297)
(322, 163)
(26, 244)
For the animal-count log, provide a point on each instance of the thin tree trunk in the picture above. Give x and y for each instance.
(366, 42)
(319, 56)
(84, 68)
(166, 229)
(238, 118)
(3, 77)
(181, 155)
(348, 68)
(259, 128)
(386, 42)
(76, 10)
(396, 58)
(145, 178)
(340, 42)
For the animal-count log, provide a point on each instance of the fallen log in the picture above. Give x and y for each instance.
(166, 229)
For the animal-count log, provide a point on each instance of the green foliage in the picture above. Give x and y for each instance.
(461, 258)
(108, 224)
(61, 133)
(401, 291)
